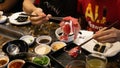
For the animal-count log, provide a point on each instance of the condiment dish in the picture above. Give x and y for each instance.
(42, 61)
(28, 39)
(4, 60)
(17, 63)
(57, 45)
(42, 49)
(44, 39)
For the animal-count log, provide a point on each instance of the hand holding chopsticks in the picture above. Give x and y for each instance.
(75, 51)
(105, 29)
(108, 34)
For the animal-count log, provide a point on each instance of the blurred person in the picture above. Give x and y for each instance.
(100, 14)
(46, 7)
(97, 15)
(11, 5)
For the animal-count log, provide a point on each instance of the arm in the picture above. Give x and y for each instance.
(7, 5)
(28, 6)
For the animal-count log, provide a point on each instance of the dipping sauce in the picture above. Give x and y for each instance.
(16, 64)
(2, 62)
(42, 49)
(43, 41)
(57, 45)
(95, 63)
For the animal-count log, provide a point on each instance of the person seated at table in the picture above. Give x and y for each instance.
(98, 15)
(11, 6)
(46, 7)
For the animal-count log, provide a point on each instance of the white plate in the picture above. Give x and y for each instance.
(90, 45)
(13, 18)
(3, 19)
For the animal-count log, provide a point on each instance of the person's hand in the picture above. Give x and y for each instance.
(110, 35)
(40, 16)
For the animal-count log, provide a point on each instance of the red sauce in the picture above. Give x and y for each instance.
(2, 62)
(16, 65)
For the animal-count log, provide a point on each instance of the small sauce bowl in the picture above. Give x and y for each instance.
(42, 49)
(57, 45)
(44, 39)
(28, 39)
(17, 63)
(3, 61)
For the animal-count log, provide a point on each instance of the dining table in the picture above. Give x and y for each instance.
(10, 31)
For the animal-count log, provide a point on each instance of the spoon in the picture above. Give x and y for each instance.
(13, 49)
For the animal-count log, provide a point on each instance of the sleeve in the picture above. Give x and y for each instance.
(36, 2)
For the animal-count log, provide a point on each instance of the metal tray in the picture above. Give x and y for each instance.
(63, 58)
(9, 33)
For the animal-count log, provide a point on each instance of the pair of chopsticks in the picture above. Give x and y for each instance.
(52, 18)
(105, 29)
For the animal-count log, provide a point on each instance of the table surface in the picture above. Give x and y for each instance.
(48, 28)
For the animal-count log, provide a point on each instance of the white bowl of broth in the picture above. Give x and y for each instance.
(3, 61)
(44, 39)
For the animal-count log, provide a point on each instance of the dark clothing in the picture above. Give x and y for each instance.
(17, 7)
(59, 7)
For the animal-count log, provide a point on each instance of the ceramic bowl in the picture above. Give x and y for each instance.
(15, 46)
(44, 39)
(4, 60)
(17, 63)
(57, 45)
(42, 49)
(44, 59)
(28, 39)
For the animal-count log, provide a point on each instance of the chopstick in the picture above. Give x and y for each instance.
(28, 15)
(52, 18)
(57, 18)
(105, 29)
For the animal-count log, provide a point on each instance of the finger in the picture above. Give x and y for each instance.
(103, 29)
(109, 40)
(101, 32)
(48, 16)
(106, 38)
(37, 18)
